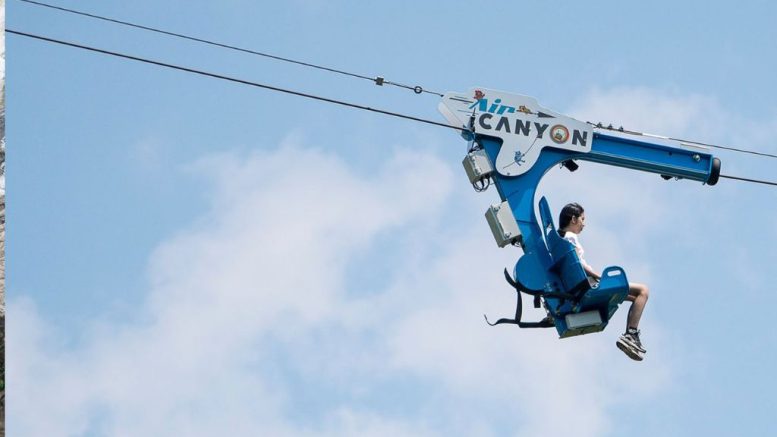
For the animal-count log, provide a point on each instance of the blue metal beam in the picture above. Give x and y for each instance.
(651, 157)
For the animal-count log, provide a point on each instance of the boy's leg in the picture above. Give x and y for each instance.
(629, 342)
(638, 295)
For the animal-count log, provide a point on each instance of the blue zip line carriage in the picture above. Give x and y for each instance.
(513, 142)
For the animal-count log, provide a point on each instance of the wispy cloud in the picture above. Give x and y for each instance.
(652, 111)
(268, 258)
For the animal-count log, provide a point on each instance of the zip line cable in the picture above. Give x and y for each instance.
(376, 80)
(232, 79)
(749, 180)
(273, 88)
(690, 142)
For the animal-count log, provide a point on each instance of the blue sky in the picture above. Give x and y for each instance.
(189, 256)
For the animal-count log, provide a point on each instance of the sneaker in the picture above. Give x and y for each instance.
(633, 353)
(630, 344)
(631, 337)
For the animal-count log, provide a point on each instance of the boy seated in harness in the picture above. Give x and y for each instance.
(571, 223)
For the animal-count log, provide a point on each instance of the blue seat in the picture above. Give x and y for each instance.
(592, 306)
(566, 264)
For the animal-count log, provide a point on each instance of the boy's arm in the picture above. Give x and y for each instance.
(591, 272)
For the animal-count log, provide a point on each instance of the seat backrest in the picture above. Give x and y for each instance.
(566, 263)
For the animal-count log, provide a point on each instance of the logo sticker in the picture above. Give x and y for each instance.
(559, 134)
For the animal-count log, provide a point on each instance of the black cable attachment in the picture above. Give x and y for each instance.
(482, 185)
(570, 165)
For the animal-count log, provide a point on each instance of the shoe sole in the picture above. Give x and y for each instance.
(634, 355)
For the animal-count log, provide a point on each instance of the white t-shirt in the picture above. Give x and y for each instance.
(572, 238)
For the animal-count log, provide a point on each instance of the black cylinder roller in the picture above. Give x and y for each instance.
(714, 172)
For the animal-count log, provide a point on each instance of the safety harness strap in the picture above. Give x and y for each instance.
(519, 305)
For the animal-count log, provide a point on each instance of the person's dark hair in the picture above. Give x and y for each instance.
(565, 217)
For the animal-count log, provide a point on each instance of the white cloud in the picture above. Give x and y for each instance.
(657, 112)
(272, 250)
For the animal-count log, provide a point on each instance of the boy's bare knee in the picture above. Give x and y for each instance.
(645, 291)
